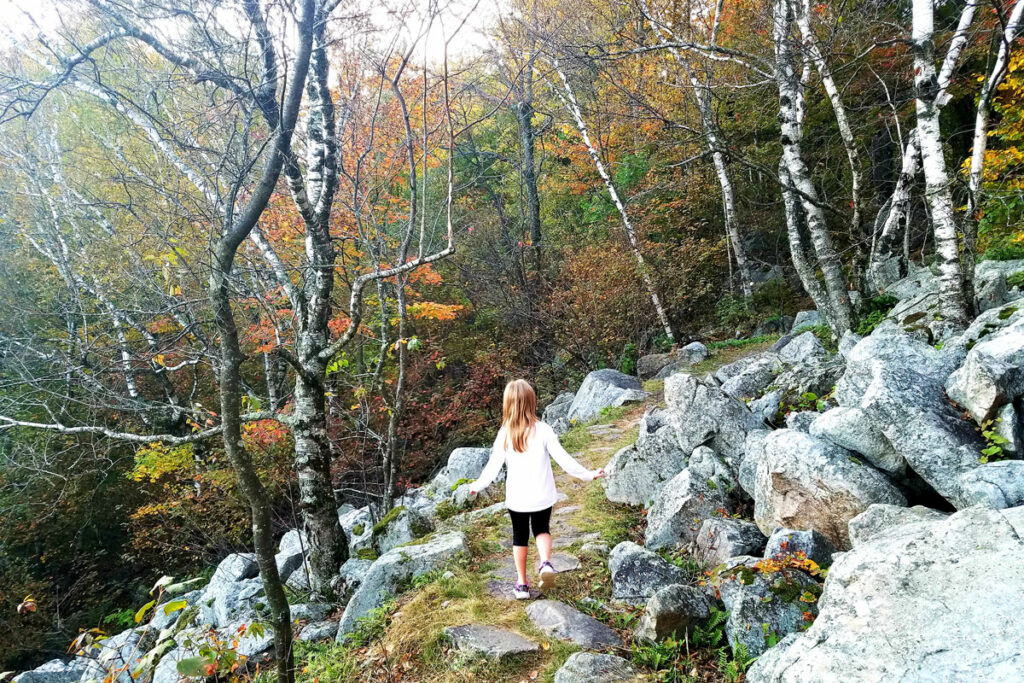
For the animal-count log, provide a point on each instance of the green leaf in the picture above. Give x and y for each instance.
(140, 615)
(175, 605)
(192, 666)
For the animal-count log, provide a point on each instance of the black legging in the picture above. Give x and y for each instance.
(522, 521)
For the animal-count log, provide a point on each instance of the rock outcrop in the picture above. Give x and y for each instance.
(604, 389)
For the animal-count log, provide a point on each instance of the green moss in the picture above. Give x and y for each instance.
(459, 483)
(381, 526)
(445, 510)
(358, 530)
(1015, 280)
(739, 343)
(914, 317)
(1007, 312)
(366, 554)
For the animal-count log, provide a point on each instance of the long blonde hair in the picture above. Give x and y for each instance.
(519, 413)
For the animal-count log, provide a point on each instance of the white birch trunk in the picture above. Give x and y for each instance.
(569, 100)
(952, 301)
(790, 96)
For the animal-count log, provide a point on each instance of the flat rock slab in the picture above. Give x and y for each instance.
(489, 641)
(563, 562)
(590, 667)
(502, 590)
(559, 620)
(565, 509)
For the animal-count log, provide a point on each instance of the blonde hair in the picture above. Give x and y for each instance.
(519, 413)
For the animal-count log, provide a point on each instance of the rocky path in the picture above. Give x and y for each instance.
(491, 635)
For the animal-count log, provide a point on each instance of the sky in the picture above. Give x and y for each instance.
(22, 19)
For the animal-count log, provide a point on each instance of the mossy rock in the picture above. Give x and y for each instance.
(358, 530)
(381, 526)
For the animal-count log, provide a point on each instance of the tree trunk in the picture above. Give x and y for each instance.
(571, 104)
(840, 314)
(794, 225)
(952, 299)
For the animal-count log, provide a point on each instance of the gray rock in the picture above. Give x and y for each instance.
(223, 603)
(749, 376)
(591, 667)
(806, 319)
(753, 454)
(852, 429)
(604, 389)
(810, 542)
(1008, 425)
(637, 572)
(319, 631)
(675, 609)
(167, 670)
(992, 375)
(489, 641)
(54, 671)
(637, 472)
(898, 383)
(558, 620)
(464, 464)
(801, 420)
(298, 580)
(996, 485)
(351, 575)
(804, 348)
(236, 567)
(396, 566)
(701, 414)
(291, 553)
(650, 365)
(911, 605)
(401, 526)
(778, 325)
(595, 548)
(706, 466)
(360, 520)
(847, 342)
(720, 538)
(990, 294)
(818, 378)
(767, 608)
(879, 518)
(163, 619)
(255, 647)
(310, 611)
(679, 509)
(766, 407)
(119, 652)
(559, 408)
(803, 482)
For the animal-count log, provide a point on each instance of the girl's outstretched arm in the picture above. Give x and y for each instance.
(566, 461)
(492, 467)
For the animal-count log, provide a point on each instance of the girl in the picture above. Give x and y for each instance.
(525, 445)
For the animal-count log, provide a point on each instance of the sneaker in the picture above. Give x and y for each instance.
(547, 575)
(521, 591)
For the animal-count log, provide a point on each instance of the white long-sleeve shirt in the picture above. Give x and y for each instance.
(529, 481)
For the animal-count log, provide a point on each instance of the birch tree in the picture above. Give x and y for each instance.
(568, 97)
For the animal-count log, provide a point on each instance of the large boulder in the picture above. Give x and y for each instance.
(236, 567)
(679, 509)
(53, 671)
(291, 553)
(358, 527)
(637, 472)
(803, 482)
(400, 526)
(683, 359)
(592, 667)
(879, 518)
(637, 573)
(898, 382)
(559, 620)
(674, 610)
(225, 602)
(996, 485)
(992, 375)
(805, 319)
(764, 606)
(852, 429)
(558, 409)
(393, 568)
(789, 542)
(118, 653)
(804, 348)
(464, 464)
(604, 389)
(818, 377)
(749, 376)
(931, 601)
(702, 414)
(720, 538)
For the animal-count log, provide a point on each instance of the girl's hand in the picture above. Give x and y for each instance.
(600, 473)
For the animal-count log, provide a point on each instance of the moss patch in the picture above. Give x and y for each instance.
(381, 526)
